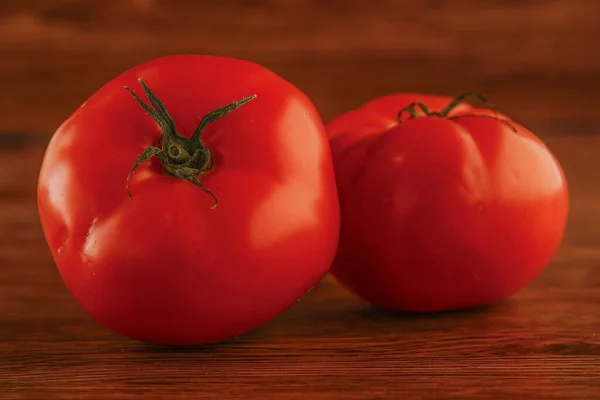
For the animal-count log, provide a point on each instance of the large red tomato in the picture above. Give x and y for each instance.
(446, 207)
(168, 264)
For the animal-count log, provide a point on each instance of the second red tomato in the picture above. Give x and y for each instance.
(446, 207)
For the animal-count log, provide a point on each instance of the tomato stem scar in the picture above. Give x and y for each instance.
(186, 159)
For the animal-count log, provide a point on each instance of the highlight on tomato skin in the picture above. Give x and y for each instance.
(443, 205)
(190, 199)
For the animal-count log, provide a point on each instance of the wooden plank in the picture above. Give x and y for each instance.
(543, 343)
(535, 59)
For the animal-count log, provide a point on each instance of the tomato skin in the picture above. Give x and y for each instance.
(164, 267)
(440, 214)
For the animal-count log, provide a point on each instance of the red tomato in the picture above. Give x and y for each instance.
(442, 211)
(170, 265)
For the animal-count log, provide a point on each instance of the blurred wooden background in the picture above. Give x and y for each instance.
(536, 59)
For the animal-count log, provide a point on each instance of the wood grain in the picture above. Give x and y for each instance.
(543, 343)
(537, 60)
(534, 59)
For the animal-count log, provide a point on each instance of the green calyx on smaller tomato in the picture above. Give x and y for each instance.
(183, 158)
(445, 113)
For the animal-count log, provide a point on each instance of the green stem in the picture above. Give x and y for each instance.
(215, 115)
(410, 109)
(462, 97)
(186, 159)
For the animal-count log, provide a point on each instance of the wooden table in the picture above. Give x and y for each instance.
(538, 61)
(543, 343)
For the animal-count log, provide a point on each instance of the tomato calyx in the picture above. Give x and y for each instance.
(445, 113)
(183, 158)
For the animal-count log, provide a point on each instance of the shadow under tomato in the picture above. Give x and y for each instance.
(244, 339)
(377, 313)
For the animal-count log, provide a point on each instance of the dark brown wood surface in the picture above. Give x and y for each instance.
(543, 343)
(537, 60)
(533, 58)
